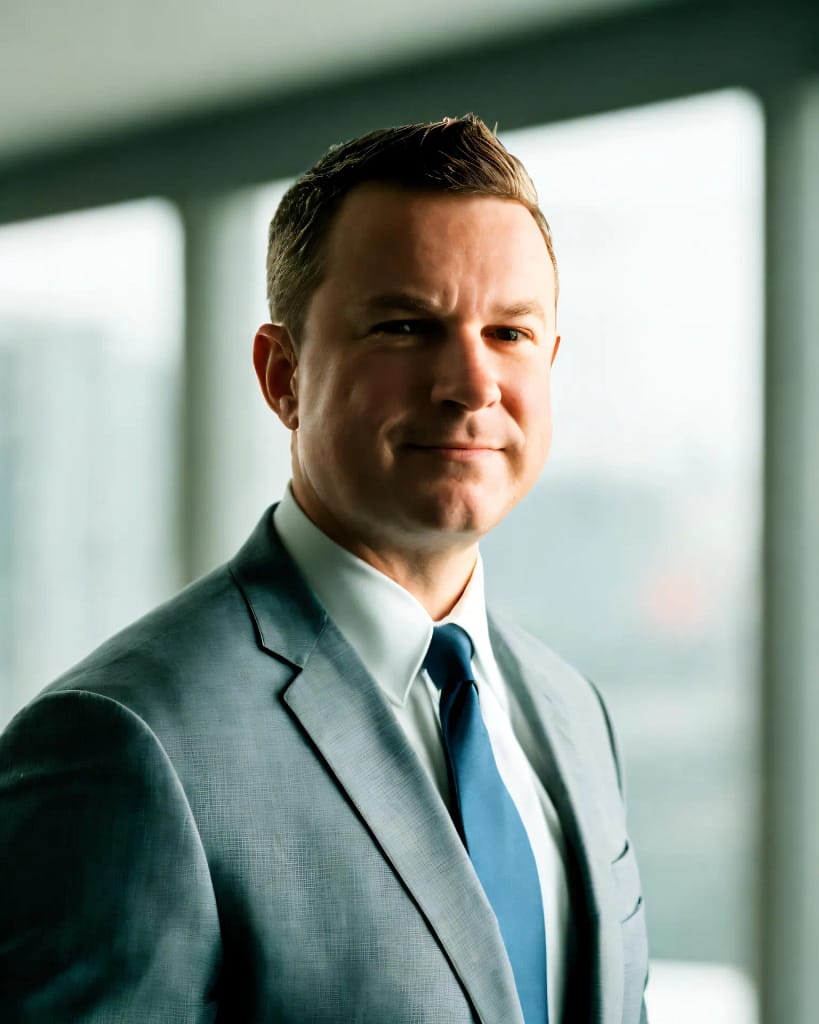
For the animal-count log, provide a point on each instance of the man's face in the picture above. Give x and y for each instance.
(422, 385)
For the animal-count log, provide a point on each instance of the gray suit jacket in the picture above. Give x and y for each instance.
(216, 817)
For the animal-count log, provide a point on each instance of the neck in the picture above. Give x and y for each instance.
(435, 574)
(436, 582)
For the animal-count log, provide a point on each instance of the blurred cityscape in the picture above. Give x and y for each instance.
(653, 594)
(88, 456)
(671, 145)
(635, 557)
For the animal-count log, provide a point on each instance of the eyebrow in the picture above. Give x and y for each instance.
(414, 303)
(398, 300)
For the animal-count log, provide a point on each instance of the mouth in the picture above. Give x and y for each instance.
(457, 452)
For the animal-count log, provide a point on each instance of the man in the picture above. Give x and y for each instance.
(322, 784)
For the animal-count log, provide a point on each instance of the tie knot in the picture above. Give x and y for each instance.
(449, 658)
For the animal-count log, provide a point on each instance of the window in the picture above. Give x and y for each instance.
(637, 555)
(90, 360)
(641, 540)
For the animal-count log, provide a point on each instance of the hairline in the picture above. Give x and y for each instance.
(418, 189)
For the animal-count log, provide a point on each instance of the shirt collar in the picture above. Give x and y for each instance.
(387, 627)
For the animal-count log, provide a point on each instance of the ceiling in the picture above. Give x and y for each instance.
(79, 70)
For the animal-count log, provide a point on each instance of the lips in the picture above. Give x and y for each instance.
(455, 446)
(454, 453)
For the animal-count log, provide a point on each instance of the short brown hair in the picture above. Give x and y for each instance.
(459, 155)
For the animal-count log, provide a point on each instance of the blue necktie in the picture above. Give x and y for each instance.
(489, 824)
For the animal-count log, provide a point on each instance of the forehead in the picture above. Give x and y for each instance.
(384, 232)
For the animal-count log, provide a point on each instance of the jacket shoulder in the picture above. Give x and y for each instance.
(167, 634)
(509, 637)
(181, 663)
(542, 668)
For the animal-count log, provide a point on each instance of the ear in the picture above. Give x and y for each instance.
(276, 365)
(554, 350)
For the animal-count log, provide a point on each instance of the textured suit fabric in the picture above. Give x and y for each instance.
(216, 817)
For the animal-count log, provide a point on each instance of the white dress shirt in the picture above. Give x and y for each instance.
(390, 632)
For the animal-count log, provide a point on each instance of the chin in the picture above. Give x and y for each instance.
(471, 520)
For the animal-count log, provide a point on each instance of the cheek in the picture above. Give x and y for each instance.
(348, 411)
(533, 414)
(378, 393)
(532, 403)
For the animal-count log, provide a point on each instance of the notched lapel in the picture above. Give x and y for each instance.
(348, 720)
(553, 748)
(341, 709)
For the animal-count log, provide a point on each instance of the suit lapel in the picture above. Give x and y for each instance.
(362, 745)
(549, 737)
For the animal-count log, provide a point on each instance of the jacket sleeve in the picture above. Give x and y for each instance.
(107, 912)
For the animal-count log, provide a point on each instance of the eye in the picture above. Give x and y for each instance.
(511, 334)
(404, 328)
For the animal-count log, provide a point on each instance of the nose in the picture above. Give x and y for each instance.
(465, 370)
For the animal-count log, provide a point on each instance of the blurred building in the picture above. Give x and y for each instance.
(84, 551)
